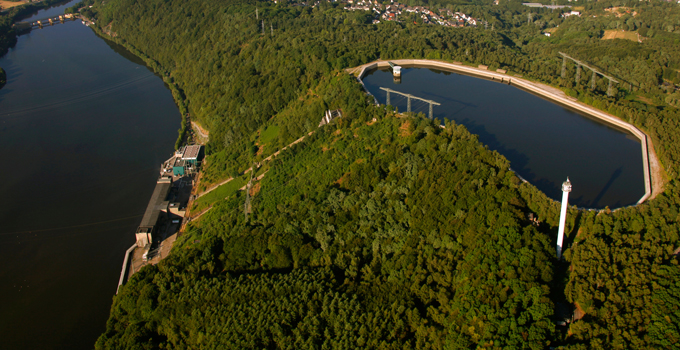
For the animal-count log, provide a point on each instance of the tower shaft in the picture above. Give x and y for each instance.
(566, 188)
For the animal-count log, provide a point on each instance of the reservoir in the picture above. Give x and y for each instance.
(84, 127)
(543, 141)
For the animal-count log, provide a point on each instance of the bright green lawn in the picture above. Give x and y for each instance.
(220, 193)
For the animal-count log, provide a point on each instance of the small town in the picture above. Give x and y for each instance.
(398, 12)
(393, 12)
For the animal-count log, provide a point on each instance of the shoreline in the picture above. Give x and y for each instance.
(653, 181)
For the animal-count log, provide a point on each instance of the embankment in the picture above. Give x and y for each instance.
(552, 94)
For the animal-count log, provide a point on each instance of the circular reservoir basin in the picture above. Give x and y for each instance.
(544, 142)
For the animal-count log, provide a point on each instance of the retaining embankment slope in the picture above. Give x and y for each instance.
(124, 271)
(555, 95)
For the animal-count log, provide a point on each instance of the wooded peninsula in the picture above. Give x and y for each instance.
(383, 229)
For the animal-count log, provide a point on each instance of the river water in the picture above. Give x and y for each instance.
(543, 141)
(84, 127)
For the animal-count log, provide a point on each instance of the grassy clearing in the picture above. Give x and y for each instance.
(646, 100)
(618, 34)
(269, 134)
(220, 193)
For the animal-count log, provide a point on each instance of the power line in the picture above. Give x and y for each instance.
(68, 227)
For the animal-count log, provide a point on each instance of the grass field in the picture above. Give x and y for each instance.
(220, 193)
(617, 34)
(269, 134)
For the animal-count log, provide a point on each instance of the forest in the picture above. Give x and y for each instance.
(356, 239)
(383, 230)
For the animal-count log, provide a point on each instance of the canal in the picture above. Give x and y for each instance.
(84, 127)
(543, 141)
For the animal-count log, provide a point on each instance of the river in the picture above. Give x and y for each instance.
(543, 141)
(84, 127)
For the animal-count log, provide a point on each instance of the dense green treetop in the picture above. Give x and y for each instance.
(393, 233)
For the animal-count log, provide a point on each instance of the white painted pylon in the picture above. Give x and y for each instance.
(566, 188)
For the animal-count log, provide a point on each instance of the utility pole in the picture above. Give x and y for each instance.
(262, 27)
(257, 15)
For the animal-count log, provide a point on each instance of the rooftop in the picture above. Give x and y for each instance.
(191, 152)
(156, 204)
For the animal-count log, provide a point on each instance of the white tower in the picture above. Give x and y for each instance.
(566, 188)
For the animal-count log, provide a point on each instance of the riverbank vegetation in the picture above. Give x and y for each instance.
(393, 232)
(3, 77)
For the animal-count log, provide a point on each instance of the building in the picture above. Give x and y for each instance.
(191, 154)
(158, 205)
(330, 115)
(185, 161)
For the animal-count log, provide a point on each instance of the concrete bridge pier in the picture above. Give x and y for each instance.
(564, 67)
(578, 74)
(408, 99)
(610, 89)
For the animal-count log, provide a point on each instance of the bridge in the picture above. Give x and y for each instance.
(45, 21)
(579, 64)
(409, 97)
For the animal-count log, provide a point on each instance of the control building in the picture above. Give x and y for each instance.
(185, 161)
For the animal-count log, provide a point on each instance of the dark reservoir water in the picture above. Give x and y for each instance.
(543, 141)
(83, 129)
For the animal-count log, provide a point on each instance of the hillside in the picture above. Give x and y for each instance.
(394, 232)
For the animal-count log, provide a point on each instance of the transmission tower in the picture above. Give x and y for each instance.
(246, 206)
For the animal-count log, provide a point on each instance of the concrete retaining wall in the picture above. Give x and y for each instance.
(538, 89)
(126, 261)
